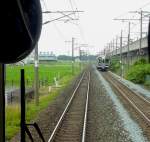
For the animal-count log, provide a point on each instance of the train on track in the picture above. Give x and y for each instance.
(103, 63)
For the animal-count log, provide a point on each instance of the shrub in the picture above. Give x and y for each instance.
(115, 65)
(138, 72)
(141, 61)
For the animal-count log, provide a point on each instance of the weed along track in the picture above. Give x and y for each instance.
(71, 126)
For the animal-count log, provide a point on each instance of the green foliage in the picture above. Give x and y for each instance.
(47, 72)
(62, 70)
(12, 120)
(141, 61)
(115, 65)
(13, 111)
(138, 72)
(147, 83)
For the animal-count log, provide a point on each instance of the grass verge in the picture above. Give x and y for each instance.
(32, 111)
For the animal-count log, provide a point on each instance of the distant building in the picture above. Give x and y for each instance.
(43, 57)
(47, 57)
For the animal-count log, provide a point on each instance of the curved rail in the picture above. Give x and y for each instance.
(66, 109)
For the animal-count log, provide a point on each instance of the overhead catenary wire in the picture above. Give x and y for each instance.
(54, 24)
(67, 17)
(71, 4)
(125, 13)
(147, 4)
(138, 21)
(76, 7)
(44, 4)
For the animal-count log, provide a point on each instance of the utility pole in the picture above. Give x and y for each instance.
(2, 102)
(72, 56)
(104, 53)
(113, 47)
(149, 42)
(80, 53)
(72, 52)
(121, 54)
(80, 56)
(65, 14)
(109, 48)
(128, 60)
(141, 31)
(143, 14)
(36, 81)
(116, 44)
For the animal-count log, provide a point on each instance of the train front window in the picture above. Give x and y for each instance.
(107, 61)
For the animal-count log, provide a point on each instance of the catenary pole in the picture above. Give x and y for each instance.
(36, 81)
(72, 56)
(121, 54)
(128, 59)
(2, 102)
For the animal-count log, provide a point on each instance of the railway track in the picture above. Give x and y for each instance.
(138, 102)
(71, 126)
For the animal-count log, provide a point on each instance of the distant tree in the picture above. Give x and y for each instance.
(83, 57)
(64, 57)
(140, 61)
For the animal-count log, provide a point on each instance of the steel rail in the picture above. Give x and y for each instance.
(135, 93)
(131, 102)
(86, 111)
(64, 112)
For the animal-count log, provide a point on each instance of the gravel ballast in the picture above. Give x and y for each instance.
(108, 121)
(48, 118)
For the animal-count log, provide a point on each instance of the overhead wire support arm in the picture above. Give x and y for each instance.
(2, 102)
(126, 19)
(139, 11)
(57, 19)
(131, 19)
(63, 13)
(67, 16)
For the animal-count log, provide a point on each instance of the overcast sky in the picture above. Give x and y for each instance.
(95, 26)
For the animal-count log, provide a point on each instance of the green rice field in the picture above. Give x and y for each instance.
(47, 72)
(61, 70)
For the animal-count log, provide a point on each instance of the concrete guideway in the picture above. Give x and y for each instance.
(134, 46)
(129, 54)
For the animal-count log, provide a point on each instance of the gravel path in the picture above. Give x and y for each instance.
(138, 126)
(104, 124)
